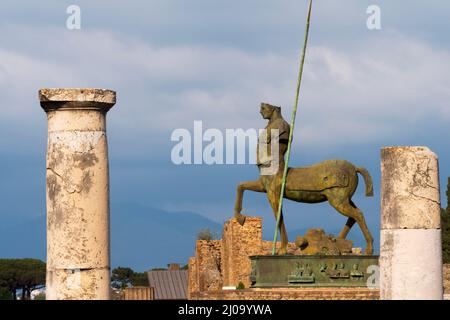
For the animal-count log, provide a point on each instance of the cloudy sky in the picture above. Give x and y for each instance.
(173, 62)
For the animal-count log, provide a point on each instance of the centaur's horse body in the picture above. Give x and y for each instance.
(319, 182)
(334, 181)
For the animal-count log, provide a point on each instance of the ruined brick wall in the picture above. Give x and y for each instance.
(207, 265)
(226, 262)
(238, 243)
(291, 294)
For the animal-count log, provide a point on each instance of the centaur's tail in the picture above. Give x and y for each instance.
(367, 181)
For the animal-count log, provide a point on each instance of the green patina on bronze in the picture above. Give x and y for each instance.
(334, 181)
(313, 271)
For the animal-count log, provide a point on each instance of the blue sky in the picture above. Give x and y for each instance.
(173, 62)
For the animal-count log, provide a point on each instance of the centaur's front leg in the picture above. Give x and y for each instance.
(256, 186)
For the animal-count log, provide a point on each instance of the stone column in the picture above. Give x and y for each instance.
(410, 252)
(78, 253)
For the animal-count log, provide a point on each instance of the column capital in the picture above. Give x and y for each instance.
(77, 99)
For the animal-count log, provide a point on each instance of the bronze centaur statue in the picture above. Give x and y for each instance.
(334, 181)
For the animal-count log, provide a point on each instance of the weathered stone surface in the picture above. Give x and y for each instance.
(446, 276)
(316, 241)
(78, 284)
(291, 294)
(77, 193)
(267, 247)
(77, 95)
(208, 269)
(410, 196)
(73, 122)
(411, 264)
(238, 243)
(410, 252)
(193, 277)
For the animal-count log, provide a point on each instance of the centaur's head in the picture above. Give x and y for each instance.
(268, 111)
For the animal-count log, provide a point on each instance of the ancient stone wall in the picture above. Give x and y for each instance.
(266, 248)
(207, 265)
(238, 243)
(222, 263)
(192, 276)
(226, 262)
(290, 294)
(446, 271)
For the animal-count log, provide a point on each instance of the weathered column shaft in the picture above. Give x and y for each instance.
(411, 248)
(78, 252)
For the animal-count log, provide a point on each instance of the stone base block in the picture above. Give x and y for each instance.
(411, 264)
(291, 294)
(78, 284)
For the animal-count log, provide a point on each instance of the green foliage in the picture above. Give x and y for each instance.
(123, 277)
(445, 225)
(206, 234)
(448, 195)
(5, 294)
(140, 279)
(21, 274)
(40, 296)
(185, 267)
(240, 286)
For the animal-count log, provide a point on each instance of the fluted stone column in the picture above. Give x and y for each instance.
(411, 248)
(78, 252)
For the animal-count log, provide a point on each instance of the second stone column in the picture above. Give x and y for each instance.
(410, 244)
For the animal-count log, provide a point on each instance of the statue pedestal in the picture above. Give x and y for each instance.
(316, 271)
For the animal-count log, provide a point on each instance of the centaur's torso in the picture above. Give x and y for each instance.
(301, 183)
(278, 129)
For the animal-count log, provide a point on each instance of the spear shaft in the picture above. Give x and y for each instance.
(294, 113)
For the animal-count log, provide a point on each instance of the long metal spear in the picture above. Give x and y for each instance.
(294, 113)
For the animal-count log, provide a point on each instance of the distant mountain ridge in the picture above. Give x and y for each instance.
(142, 237)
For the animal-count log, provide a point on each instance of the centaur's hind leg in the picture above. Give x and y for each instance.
(274, 199)
(348, 225)
(348, 209)
(256, 186)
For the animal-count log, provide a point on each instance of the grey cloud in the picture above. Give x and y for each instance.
(173, 62)
(370, 87)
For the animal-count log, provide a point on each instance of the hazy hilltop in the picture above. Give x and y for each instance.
(141, 237)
